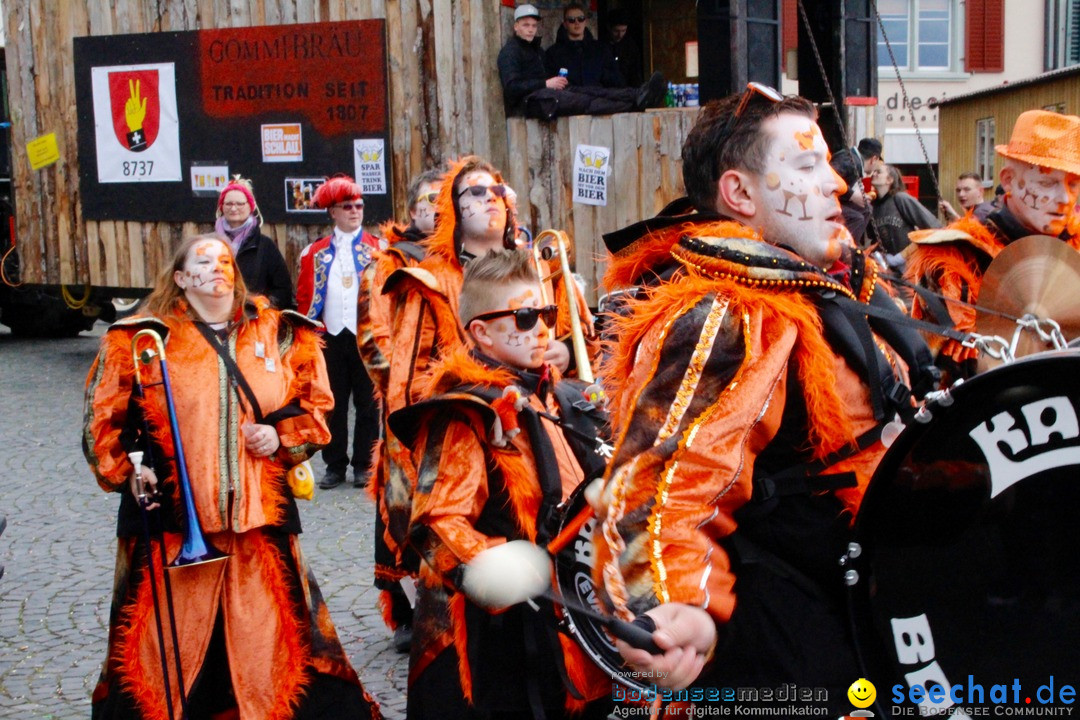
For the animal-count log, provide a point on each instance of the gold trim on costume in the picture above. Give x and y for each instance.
(691, 378)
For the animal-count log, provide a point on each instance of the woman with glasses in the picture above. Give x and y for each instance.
(328, 290)
(257, 256)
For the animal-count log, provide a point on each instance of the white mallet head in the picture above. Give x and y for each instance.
(507, 574)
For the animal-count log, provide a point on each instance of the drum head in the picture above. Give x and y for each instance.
(970, 549)
(573, 573)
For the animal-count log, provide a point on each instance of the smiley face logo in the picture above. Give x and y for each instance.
(862, 693)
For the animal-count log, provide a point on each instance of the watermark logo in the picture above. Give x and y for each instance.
(862, 694)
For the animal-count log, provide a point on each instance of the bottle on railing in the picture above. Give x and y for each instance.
(669, 99)
(693, 98)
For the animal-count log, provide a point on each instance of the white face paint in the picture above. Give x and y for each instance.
(423, 213)
(798, 198)
(208, 271)
(1042, 199)
(483, 217)
(504, 342)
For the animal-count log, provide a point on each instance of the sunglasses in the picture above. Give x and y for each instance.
(498, 190)
(430, 197)
(575, 19)
(755, 92)
(351, 206)
(524, 318)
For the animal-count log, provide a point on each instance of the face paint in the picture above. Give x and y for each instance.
(1042, 199)
(797, 199)
(423, 213)
(208, 270)
(505, 343)
(482, 217)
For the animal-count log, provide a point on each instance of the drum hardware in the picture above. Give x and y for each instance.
(851, 575)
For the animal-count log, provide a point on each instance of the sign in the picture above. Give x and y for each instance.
(369, 157)
(592, 165)
(282, 143)
(207, 179)
(271, 103)
(42, 151)
(137, 127)
(332, 75)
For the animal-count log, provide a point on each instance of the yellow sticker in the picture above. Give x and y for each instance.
(43, 151)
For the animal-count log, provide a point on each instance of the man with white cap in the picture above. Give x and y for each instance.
(529, 90)
(1041, 178)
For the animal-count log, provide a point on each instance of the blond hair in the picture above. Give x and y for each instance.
(487, 276)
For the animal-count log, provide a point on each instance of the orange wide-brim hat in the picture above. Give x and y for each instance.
(1046, 139)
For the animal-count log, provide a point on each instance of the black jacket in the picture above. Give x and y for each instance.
(589, 63)
(521, 70)
(265, 272)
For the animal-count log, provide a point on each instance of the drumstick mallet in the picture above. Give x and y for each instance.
(518, 571)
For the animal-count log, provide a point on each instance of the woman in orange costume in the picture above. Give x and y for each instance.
(255, 638)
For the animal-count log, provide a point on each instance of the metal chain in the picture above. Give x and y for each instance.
(903, 92)
(836, 110)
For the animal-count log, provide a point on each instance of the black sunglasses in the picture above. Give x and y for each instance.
(524, 318)
(577, 19)
(498, 190)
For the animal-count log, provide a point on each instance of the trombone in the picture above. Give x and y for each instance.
(546, 246)
(195, 550)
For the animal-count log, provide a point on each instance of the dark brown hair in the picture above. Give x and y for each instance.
(475, 163)
(713, 147)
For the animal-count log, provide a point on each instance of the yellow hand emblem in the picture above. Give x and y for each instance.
(134, 110)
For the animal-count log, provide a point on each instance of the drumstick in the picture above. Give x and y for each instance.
(571, 530)
(637, 634)
(507, 574)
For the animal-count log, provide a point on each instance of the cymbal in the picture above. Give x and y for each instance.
(1037, 275)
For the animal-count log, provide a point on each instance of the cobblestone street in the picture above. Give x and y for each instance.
(59, 547)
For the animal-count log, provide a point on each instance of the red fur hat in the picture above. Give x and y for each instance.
(337, 189)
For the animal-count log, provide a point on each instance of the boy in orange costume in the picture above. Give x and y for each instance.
(491, 469)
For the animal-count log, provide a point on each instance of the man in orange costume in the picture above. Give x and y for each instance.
(748, 393)
(373, 336)
(1041, 178)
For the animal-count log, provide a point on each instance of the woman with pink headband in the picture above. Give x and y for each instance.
(257, 256)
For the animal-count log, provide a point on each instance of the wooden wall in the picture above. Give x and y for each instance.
(646, 174)
(456, 110)
(956, 122)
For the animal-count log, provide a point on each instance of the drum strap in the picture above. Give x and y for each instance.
(750, 553)
(900, 318)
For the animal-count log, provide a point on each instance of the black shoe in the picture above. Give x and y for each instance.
(359, 478)
(652, 91)
(403, 638)
(331, 480)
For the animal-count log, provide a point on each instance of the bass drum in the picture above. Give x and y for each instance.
(968, 557)
(573, 575)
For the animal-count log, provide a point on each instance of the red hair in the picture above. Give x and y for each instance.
(337, 189)
(240, 188)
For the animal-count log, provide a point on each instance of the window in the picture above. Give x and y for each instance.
(984, 149)
(920, 33)
(1062, 33)
(1055, 108)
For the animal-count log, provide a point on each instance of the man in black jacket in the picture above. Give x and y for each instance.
(589, 63)
(530, 90)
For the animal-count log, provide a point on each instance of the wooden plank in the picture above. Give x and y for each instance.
(516, 172)
(649, 169)
(95, 258)
(137, 254)
(446, 62)
(107, 233)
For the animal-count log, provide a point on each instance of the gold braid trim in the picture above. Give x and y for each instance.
(676, 412)
(715, 268)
